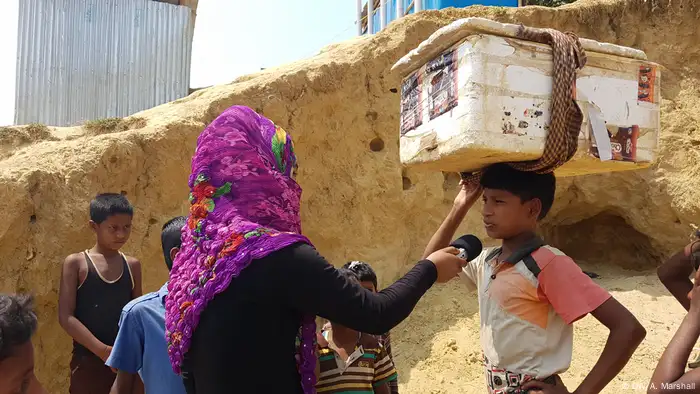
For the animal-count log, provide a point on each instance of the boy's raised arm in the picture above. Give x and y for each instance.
(465, 199)
(66, 309)
(669, 375)
(675, 273)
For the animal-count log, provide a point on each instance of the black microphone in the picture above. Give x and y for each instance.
(469, 247)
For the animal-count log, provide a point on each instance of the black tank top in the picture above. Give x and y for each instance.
(98, 304)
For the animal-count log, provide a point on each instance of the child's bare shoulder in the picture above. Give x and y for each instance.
(131, 259)
(74, 260)
(133, 262)
(74, 268)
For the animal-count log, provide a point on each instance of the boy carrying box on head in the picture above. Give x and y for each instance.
(530, 293)
(95, 286)
(352, 362)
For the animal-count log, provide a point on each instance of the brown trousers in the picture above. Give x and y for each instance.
(89, 375)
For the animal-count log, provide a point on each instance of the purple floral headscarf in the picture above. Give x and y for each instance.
(244, 206)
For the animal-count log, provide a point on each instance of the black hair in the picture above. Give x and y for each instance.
(349, 275)
(525, 184)
(363, 271)
(170, 237)
(18, 323)
(108, 204)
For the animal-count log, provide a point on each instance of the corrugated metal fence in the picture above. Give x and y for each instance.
(79, 60)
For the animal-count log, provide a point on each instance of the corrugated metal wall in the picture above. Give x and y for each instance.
(79, 60)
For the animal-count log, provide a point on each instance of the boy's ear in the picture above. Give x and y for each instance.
(535, 207)
(93, 225)
(173, 253)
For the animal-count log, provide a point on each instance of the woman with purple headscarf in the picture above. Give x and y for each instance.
(246, 286)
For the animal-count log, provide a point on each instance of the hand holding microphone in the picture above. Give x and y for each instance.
(450, 261)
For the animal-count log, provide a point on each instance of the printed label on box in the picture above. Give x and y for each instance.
(441, 74)
(623, 144)
(411, 98)
(647, 82)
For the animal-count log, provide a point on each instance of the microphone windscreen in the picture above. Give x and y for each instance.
(471, 245)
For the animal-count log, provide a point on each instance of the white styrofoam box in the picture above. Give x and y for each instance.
(470, 99)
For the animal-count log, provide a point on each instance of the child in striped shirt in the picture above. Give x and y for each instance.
(351, 361)
(368, 279)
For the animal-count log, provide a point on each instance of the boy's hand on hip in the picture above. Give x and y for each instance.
(468, 194)
(447, 263)
(539, 387)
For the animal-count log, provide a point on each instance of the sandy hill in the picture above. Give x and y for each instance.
(342, 107)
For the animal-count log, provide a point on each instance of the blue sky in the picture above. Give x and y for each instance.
(276, 31)
(232, 38)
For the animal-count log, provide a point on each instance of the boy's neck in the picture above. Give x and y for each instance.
(106, 252)
(508, 246)
(342, 335)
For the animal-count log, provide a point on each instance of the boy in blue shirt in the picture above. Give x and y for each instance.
(140, 347)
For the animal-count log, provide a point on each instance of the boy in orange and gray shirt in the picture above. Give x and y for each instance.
(530, 293)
